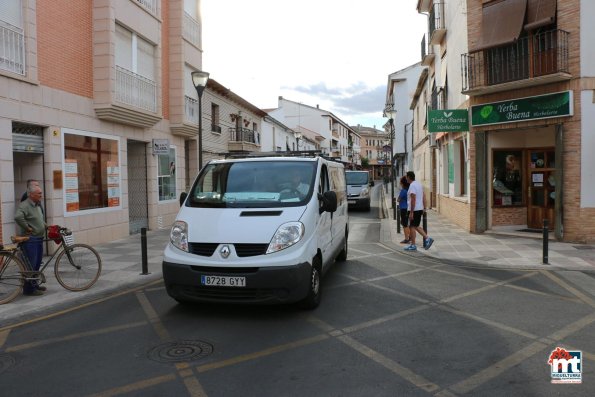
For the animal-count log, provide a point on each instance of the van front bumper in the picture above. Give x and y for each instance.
(279, 284)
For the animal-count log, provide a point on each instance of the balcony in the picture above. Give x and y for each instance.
(191, 30)
(427, 52)
(436, 23)
(243, 140)
(190, 110)
(150, 5)
(12, 48)
(530, 61)
(336, 133)
(135, 90)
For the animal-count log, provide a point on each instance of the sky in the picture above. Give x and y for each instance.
(333, 53)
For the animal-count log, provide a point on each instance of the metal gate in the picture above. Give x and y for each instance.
(138, 213)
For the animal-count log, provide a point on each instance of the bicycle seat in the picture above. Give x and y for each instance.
(19, 239)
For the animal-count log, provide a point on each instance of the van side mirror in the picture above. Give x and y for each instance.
(183, 196)
(329, 201)
(371, 183)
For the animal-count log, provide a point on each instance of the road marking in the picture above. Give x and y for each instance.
(262, 353)
(79, 335)
(3, 337)
(137, 386)
(486, 288)
(570, 288)
(190, 381)
(386, 362)
(384, 319)
(493, 371)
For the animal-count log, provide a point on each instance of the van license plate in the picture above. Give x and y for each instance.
(223, 281)
(351, 201)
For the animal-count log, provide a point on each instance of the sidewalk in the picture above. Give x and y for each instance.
(516, 250)
(121, 270)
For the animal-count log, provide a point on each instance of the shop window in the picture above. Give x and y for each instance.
(507, 178)
(91, 172)
(166, 177)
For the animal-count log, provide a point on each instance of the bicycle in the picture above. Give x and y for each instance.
(77, 266)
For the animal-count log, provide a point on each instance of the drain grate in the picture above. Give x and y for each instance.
(180, 351)
(6, 361)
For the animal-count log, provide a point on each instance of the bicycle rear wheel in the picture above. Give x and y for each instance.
(78, 267)
(11, 277)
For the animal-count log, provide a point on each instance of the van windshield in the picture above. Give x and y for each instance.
(254, 184)
(356, 178)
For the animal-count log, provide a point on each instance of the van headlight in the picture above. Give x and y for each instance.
(178, 235)
(286, 235)
(365, 192)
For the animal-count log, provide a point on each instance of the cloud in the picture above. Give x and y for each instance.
(357, 99)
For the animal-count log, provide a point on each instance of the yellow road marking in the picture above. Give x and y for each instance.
(486, 288)
(71, 309)
(262, 353)
(152, 316)
(79, 335)
(589, 301)
(386, 362)
(137, 386)
(3, 337)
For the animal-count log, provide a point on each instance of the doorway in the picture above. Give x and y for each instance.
(542, 187)
(138, 206)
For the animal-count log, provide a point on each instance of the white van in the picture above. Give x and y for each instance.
(358, 189)
(258, 230)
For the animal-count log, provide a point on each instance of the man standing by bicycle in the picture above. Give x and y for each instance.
(29, 217)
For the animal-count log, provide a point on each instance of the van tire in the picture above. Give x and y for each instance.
(342, 257)
(313, 299)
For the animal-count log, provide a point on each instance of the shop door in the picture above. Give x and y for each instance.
(541, 188)
(138, 212)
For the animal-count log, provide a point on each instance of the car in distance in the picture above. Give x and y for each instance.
(358, 189)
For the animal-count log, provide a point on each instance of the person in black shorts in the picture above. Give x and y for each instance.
(402, 200)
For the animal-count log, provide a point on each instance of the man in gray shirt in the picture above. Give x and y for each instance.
(29, 217)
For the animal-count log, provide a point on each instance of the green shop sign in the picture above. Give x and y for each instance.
(451, 120)
(546, 106)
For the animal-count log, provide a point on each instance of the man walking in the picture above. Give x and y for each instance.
(29, 217)
(417, 206)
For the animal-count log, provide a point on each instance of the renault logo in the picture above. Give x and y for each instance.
(225, 251)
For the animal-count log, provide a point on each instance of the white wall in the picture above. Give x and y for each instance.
(587, 37)
(587, 193)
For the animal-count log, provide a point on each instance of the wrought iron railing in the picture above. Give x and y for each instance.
(436, 18)
(12, 48)
(150, 5)
(191, 30)
(244, 135)
(190, 110)
(529, 57)
(135, 90)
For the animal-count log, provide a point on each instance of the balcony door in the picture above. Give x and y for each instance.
(542, 189)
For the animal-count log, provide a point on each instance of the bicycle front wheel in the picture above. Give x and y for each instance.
(11, 277)
(78, 267)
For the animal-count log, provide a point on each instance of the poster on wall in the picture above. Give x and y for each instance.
(71, 185)
(113, 184)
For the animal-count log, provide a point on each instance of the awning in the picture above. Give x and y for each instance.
(540, 13)
(502, 23)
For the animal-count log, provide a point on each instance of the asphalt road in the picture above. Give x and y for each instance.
(388, 325)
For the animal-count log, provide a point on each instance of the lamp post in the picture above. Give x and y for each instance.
(298, 136)
(199, 79)
(391, 114)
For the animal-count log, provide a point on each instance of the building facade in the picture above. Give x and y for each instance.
(94, 103)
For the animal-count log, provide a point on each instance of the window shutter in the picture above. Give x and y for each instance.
(146, 59)
(10, 12)
(123, 47)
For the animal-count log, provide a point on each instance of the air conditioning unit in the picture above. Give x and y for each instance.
(433, 143)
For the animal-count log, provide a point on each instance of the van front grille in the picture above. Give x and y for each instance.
(243, 250)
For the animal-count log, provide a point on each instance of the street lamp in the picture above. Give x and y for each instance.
(199, 79)
(298, 136)
(391, 113)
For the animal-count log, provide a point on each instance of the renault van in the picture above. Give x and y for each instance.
(258, 230)
(358, 189)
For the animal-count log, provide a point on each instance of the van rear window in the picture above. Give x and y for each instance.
(256, 184)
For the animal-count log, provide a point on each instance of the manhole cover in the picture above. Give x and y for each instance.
(6, 362)
(583, 247)
(180, 351)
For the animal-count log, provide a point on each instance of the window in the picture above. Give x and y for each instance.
(507, 178)
(12, 38)
(166, 175)
(91, 172)
(215, 127)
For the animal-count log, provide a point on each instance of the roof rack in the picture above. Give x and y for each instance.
(291, 153)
